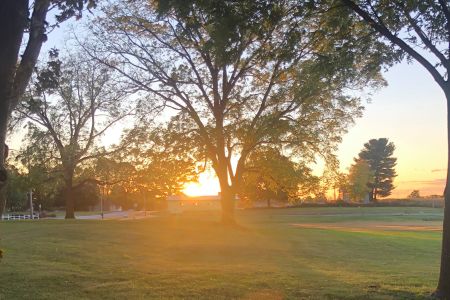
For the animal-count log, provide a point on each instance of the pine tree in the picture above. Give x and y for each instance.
(378, 154)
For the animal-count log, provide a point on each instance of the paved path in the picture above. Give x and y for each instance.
(116, 215)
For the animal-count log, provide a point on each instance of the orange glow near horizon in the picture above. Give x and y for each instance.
(207, 185)
(427, 185)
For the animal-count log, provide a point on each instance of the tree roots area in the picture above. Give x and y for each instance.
(297, 253)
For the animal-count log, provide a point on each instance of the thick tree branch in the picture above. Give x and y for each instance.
(384, 31)
(29, 58)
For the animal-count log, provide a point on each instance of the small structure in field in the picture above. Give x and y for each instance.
(180, 203)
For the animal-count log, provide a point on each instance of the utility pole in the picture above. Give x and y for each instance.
(30, 193)
(101, 200)
(145, 204)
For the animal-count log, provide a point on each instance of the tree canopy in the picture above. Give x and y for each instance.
(268, 77)
(70, 106)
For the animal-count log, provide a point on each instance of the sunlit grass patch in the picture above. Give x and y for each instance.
(194, 256)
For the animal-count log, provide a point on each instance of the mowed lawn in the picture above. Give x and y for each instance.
(301, 253)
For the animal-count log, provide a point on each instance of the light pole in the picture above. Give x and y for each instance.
(145, 204)
(101, 200)
(30, 195)
(30, 192)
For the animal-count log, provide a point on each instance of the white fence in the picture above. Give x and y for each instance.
(19, 217)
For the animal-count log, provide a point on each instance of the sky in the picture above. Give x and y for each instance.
(410, 112)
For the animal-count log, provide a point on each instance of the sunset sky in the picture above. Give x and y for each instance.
(410, 112)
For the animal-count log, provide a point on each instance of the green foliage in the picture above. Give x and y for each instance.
(30, 169)
(16, 190)
(273, 176)
(378, 155)
(86, 196)
(239, 76)
(72, 8)
(360, 175)
(226, 23)
(154, 164)
(71, 105)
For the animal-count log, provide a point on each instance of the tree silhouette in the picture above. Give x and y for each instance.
(378, 155)
(415, 194)
(235, 85)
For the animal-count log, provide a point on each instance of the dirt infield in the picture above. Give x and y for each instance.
(374, 226)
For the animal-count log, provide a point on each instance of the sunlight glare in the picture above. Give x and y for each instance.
(206, 185)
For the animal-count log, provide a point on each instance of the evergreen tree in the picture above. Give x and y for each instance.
(378, 154)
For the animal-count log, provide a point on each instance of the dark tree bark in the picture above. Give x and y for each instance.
(443, 288)
(69, 194)
(13, 20)
(227, 201)
(14, 77)
(226, 194)
(70, 203)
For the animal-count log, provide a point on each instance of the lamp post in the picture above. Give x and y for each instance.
(101, 200)
(30, 192)
(30, 195)
(145, 204)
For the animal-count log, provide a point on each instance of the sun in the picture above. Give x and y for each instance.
(207, 185)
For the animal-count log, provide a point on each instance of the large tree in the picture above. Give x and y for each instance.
(420, 31)
(23, 30)
(377, 153)
(70, 106)
(240, 75)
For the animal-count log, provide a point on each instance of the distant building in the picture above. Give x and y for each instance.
(180, 203)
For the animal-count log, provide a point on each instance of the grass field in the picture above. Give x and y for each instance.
(305, 253)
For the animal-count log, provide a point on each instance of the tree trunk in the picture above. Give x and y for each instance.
(370, 195)
(226, 197)
(227, 201)
(13, 18)
(70, 203)
(69, 196)
(226, 190)
(443, 288)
